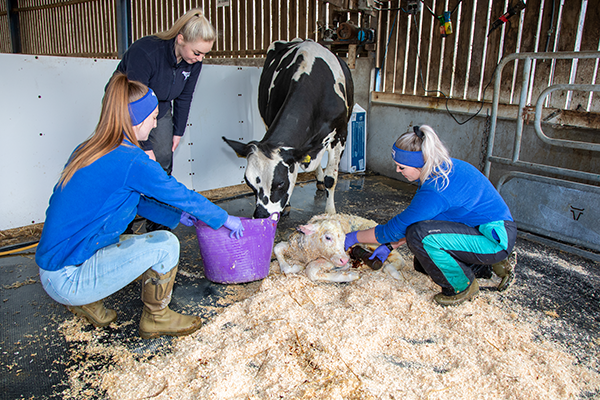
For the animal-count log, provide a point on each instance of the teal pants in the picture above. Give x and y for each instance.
(447, 251)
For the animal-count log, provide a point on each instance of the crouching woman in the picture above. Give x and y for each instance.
(457, 226)
(107, 181)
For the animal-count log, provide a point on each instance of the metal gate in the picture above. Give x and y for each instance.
(565, 210)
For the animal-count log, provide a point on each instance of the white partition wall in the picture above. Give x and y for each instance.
(51, 104)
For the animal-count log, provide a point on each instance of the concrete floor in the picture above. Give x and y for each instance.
(559, 289)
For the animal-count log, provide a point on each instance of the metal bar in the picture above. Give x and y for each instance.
(558, 245)
(522, 104)
(548, 169)
(538, 118)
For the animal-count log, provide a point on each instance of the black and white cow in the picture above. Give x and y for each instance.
(305, 98)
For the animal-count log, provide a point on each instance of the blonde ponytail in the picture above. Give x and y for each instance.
(193, 26)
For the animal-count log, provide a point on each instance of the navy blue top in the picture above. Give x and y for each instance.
(470, 198)
(100, 200)
(152, 61)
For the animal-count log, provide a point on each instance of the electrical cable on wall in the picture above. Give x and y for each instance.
(443, 94)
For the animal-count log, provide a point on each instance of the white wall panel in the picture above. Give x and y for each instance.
(51, 104)
(225, 104)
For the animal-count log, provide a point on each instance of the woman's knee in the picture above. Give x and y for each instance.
(167, 244)
(415, 234)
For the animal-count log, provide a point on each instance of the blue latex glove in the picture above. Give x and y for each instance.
(234, 224)
(382, 252)
(350, 240)
(188, 219)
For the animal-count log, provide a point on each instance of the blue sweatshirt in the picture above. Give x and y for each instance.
(100, 200)
(469, 198)
(152, 61)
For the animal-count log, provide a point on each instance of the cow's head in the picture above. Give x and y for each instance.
(271, 173)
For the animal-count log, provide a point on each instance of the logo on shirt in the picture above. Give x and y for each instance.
(186, 74)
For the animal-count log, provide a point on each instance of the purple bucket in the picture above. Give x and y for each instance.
(231, 260)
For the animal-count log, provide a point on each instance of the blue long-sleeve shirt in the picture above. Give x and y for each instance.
(100, 200)
(152, 61)
(469, 198)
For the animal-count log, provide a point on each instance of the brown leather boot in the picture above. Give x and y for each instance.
(157, 318)
(505, 269)
(95, 313)
(468, 294)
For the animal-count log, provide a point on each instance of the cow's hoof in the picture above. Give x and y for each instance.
(320, 185)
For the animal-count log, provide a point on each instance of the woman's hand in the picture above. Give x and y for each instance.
(234, 224)
(176, 140)
(151, 154)
(382, 252)
(187, 219)
(351, 240)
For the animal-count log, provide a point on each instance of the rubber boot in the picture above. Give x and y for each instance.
(505, 270)
(453, 300)
(95, 313)
(157, 318)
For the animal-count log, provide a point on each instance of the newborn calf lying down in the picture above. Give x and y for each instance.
(318, 248)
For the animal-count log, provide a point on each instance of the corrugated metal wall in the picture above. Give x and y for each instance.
(414, 58)
(418, 60)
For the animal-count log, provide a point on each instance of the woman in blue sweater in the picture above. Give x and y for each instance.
(105, 183)
(457, 224)
(169, 63)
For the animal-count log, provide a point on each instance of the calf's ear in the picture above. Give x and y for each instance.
(241, 149)
(307, 229)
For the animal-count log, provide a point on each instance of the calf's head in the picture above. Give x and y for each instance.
(325, 239)
(270, 173)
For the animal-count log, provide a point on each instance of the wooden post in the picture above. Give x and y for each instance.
(12, 7)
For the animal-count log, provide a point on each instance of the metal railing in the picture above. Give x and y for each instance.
(514, 161)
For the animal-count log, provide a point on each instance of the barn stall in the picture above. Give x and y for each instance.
(288, 337)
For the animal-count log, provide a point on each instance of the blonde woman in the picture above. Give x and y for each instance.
(457, 224)
(169, 63)
(107, 181)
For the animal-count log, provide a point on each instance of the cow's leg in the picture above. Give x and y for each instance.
(331, 175)
(284, 266)
(320, 178)
(321, 270)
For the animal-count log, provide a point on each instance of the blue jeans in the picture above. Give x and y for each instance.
(112, 268)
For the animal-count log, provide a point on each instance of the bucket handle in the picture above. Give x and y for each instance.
(274, 216)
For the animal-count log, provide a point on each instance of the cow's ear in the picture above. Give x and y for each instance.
(307, 229)
(241, 149)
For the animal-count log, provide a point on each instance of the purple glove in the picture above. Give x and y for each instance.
(382, 252)
(234, 224)
(188, 219)
(350, 240)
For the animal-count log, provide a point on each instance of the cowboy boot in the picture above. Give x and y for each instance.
(95, 313)
(157, 318)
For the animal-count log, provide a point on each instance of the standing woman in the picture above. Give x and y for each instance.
(107, 181)
(456, 226)
(169, 63)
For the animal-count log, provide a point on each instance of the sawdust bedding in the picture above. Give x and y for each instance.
(375, 338)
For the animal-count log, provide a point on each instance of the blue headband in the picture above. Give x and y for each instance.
(140, 109)
(409, 158)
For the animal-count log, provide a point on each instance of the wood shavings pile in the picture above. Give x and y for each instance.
(373, 338)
